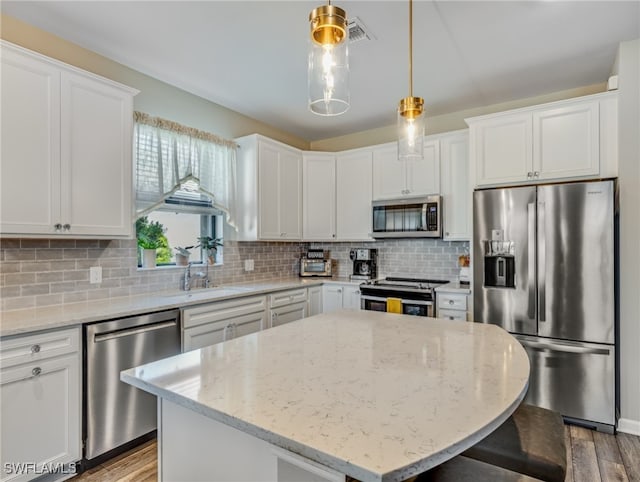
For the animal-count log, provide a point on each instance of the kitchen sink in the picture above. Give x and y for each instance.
(204, 293)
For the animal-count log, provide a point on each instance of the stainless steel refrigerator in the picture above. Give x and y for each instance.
(543, 269)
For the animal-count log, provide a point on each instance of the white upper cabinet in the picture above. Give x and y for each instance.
(566, 139)
(393, 178)
(455, 187)
(354, 195)
(319, 197)
(66, 150)
(269, 204)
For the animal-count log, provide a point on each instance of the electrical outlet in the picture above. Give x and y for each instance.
(248, 265)
(95, 274)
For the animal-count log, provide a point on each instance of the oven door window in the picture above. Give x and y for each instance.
(374, 305)
(416, 310)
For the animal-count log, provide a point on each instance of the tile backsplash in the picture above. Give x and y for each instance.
(43, 272)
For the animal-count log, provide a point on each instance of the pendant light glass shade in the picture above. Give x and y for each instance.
(328, 72)
(411, 120)
(411, 116)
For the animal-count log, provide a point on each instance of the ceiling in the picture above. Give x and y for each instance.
(251, 56)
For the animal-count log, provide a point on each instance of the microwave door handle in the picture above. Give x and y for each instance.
(424, 217)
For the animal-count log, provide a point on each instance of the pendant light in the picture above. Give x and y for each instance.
(328, 61)
(411, 112)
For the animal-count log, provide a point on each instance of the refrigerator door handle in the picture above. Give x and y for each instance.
(531, 280)
(542, 267)
(541, 346)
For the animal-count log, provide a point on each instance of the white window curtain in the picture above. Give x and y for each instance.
(168, 155)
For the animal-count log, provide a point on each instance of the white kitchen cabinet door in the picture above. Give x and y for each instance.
(331, 298)
(319, 197)
(501, 149)
(351, 297)
(30, 162)
(269, 190)
(314, 300)
(423, 176)
(455, 188)
(280, 191)
(288, 313)
(216, 332)
(291, 194)
(66, 149)
(41, 413)
(566, 141)
(96, 157)
(389, 173)
(354, 178)
(393, 178)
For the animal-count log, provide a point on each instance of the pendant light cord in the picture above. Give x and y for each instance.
(411, 48)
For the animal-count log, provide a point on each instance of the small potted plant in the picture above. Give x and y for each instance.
(150, 236)
(210, 246)
(182, 255)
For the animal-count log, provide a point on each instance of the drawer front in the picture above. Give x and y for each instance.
(450, 301)
(287, 297)
(32, 348)
(452, 314)
(222, 311)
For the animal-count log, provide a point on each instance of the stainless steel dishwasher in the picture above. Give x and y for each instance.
(116, 413)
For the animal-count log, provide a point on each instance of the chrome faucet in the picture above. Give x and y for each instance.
(188, 278)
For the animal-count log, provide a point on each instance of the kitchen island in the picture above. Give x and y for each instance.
(376, 396)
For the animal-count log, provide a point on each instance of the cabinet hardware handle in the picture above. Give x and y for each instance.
(450, 302)
(536, 174)
(35, 349)
(339, 290)
(57, 226)
(66, 227)
(36, 371)
(528, 175)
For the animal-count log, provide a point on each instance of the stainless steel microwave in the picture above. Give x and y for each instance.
(315, 267)
(408, 217)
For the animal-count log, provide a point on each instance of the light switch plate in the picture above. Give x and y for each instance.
(248, 265)
(95, 274)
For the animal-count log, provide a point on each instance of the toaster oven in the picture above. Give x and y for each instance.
(315, 267)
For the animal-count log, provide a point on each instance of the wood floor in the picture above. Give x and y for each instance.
(591, 457)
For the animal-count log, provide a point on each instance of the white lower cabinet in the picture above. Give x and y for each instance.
(213, 323)
(340, 296)
(314, 300)
(41, 410)
(452, 306)
(287, 306)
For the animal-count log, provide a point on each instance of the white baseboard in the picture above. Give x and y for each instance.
(628, 425)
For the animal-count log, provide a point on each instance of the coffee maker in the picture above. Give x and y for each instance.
(365, 263)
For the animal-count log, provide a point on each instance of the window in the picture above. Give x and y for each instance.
(185, 216)
(185, 184)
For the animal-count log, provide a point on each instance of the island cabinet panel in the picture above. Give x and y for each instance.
(66, 150)
(319, 197)
(568, 139)
(40, 402)
(233, 450)
(217, 322)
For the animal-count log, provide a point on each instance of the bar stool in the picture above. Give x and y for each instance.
(530, 442)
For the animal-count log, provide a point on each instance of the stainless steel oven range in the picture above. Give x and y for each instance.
(417, 295)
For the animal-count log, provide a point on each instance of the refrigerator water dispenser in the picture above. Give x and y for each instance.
(499, 264)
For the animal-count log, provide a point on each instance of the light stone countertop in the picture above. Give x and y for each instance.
(21, 322)
(376, 396)
(454, 287)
